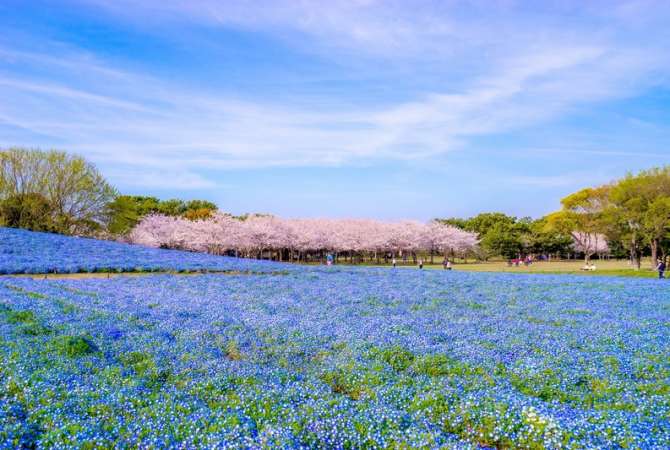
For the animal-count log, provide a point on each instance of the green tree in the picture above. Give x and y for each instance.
(76, 192)
(499, 234)
(503, 240)
(484, 222)
(455, 221)
(123, 215)
(30, 211)
(194, 205)
(656, 224)
(639, 210)
(199, 209)
(544, 240)
(127, 210)
(582, 217)
(173, 207)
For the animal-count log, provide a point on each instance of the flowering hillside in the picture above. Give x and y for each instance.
(24, 251)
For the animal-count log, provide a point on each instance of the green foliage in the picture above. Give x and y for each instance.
(352, 381)
(195, 205)
(127, 210)
(396, 356)
(508, 236)
(59, 192)
(122, 215)
(144, 366)
(485, 421)
(633, 213)
(457, 222)
(542, 239)
(16, 317)
(51, 191)
(34, 329)
(433, 365)
(503, 239)
(27, 322)
(73, 346)
(31, 211)
(639, 212)
(341, 382)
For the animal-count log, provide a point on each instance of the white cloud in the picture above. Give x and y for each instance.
(180, 180)
(503, 69)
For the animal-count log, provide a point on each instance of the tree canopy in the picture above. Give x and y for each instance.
(52, 190)
(126, 211)
(633, 213)
(510, 237)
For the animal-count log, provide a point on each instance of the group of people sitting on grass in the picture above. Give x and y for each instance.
(516, 262)
(589, 266)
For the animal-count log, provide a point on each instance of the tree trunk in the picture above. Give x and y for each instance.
(634, 258)
(654, 253)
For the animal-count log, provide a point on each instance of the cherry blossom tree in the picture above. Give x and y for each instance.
(589, 244)
(258, 236)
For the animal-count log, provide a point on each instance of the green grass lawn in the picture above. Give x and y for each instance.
(604, 267)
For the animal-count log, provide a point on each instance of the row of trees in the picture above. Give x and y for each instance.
(305, 239)
(632, 213)
(60, 192)
(511, 237)
(63, 193)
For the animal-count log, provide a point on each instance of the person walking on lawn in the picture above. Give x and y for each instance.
(661, 268)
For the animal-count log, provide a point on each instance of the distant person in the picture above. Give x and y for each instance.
(420, 263)
(394, 262)
(444, 263)
(329, 259)
(661, 269)
(448, 265)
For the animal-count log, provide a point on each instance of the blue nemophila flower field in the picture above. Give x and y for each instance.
(24, 251)
(342, 358)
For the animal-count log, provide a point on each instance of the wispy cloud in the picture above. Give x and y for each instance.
(502, 69)
(63, 92)
(177, 180)
(550, 181)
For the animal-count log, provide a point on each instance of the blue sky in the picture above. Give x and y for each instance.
(385, 109)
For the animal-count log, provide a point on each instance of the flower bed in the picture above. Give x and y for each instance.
(366, 358)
